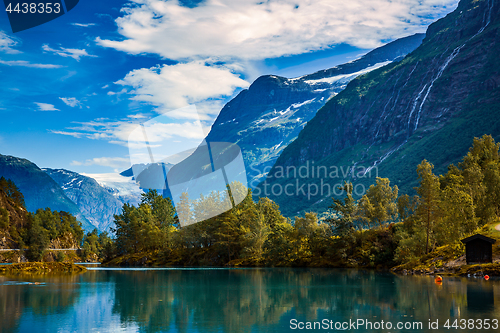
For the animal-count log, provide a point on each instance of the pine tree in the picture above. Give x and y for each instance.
(343, 223)
(428, 207)
(38, 240)
(378, 205)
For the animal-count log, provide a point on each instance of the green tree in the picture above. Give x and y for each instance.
(255, 232)
(4, 218)
(481, 171)
(428, 208)
(12, 191)
(183, 209)
(457, 212)
(38, 240)
(345, 210)
(345, 215)
(378, 206)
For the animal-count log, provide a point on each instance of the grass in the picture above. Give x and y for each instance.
(42, 268)
(450, 259)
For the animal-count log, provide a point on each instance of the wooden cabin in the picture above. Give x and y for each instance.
(478, 249)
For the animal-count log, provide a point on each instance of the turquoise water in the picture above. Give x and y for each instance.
(240, 300)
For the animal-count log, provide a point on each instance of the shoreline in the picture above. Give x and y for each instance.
(42, 268)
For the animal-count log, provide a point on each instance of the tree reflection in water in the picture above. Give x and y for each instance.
(239, 300)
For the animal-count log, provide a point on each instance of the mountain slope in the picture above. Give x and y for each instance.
(267, 117)
(123, 188)
(39, 190)
(11, 214)
(95, 202)
(429, 105)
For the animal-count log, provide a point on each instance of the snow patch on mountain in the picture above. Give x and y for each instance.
(125, 189)
(346, 78)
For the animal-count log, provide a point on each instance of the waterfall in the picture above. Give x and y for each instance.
(440, 72)
(415, 106)
(379, 123)
(456, 51)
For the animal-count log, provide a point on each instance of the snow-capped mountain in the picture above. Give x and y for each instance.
(430, 105)
(95, 202)
(264, 119)
(122, 187)
(39, 189)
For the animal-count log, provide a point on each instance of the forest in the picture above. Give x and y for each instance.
(379, 229)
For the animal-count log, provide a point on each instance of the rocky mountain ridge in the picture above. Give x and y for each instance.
(268, 116)
(430, 105)
(38, 188)
(95, 202)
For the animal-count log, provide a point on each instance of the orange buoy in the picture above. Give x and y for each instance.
(438, 279)
(486, 277)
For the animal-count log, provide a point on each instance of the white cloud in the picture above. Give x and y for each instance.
(7, 43)
(176, 86)
(239, 33)
(23, 63)
(84, 25)
(64, 52)
(73, 134)
(112, 162)
(254, 30)
(46, 107)
(136, 116)
(123, 91)
(70, 101)
(118, 132)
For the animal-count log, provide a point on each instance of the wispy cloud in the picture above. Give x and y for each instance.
(137, 116)
(256, 30)
(112, 162)
(119, 132)
(71, 53)
(23, 63)
(46, 107)
(7, 43)
(71, 101)
(73, 134)
(84, 25)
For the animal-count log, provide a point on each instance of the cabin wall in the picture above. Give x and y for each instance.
(478, 251)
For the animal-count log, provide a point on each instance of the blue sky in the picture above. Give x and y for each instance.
(73, 89)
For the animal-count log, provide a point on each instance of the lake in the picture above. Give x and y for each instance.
(243, 300)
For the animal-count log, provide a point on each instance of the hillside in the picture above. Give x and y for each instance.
(95, 202)
(264, 119)
(428, 106)
(39, 190)
(13, 216)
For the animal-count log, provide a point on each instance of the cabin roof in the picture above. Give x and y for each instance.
(478, 236)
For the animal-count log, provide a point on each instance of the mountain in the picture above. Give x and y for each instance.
(12, 213)
(268, 116)
(430, 105)
(95, 202)
(39, 190)
(124, 189)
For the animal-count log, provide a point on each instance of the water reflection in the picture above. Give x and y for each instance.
(247, 300)
(480, 297)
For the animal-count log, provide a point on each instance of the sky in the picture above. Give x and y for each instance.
(73, 90)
